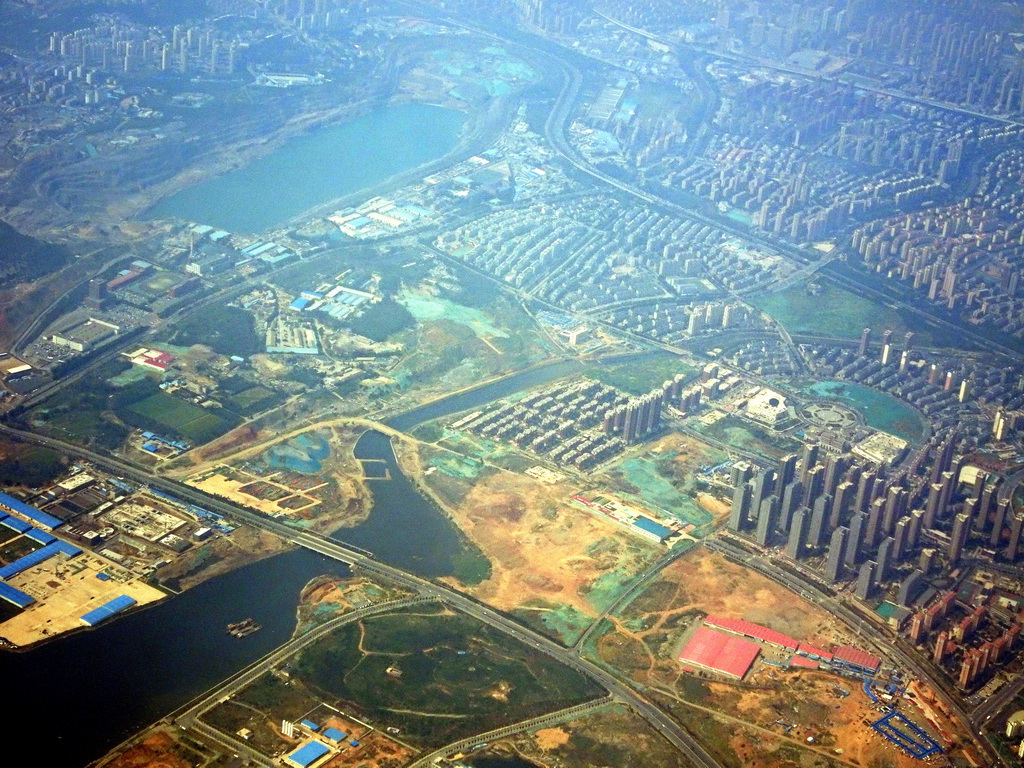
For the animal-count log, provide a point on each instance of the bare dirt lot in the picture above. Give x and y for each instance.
(547, 557)
(333, 497)
(609, 737)
(67, 589)
(158, 749)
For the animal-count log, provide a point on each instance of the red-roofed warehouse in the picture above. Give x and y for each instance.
(815, 653)
(719, 653)
(855, 658)
(755, 631)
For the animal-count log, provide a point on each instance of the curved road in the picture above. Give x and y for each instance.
(668, 728)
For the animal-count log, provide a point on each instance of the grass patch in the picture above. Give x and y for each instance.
(559, 621)
(471, 566)
(254, 400)
(824, 309)
(746, 435)
(450, 675)
(198, 425)
(640, 377)
(226, 330)
(646, 479)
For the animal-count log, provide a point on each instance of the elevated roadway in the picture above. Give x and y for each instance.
(357, 558)
(533, 724)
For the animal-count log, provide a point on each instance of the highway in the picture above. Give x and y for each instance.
(668, 728)
(534, 724)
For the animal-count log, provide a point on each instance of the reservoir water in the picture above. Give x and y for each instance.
(313, 169)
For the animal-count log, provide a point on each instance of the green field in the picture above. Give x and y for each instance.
(648, 480)
(638, 377)
(226, 330)
(451, 675)
(833, 312)
(748, 436)
(195, 424)
(253, 400)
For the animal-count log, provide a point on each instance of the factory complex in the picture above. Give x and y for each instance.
(635, 520)
(729, 647)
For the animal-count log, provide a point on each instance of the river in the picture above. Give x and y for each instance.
(318, 167)
(77, 697)
(83, 694)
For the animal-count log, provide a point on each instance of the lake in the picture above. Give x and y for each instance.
(880, 411)
(313, 169)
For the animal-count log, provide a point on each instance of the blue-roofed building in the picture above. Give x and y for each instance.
(311, 725)
(299, 304)
(15, 524)
(34, 558)
(65, 548)
(651, 530)
(27, 561)
(12, 504)
(263, 248)
(15, 596)
(108, 609)
(41, 536)
(334, 735)
(276, 257)
(307, 755)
